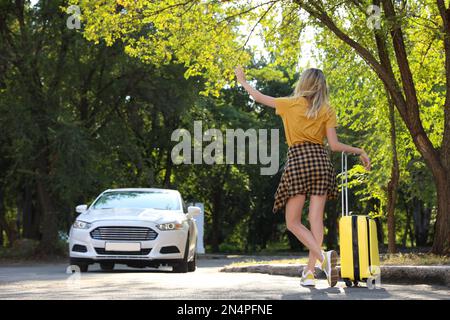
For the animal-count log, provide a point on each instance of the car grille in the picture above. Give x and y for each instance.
(142, 252)
(124, 233)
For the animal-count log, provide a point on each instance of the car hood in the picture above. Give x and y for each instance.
(151, 215)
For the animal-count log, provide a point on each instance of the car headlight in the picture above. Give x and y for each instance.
(170, 226)
(81, 224)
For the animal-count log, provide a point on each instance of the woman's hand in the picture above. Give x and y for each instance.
(258, 96)
(240, 74)
(365, 160)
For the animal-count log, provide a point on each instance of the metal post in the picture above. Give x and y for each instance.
(200, 221)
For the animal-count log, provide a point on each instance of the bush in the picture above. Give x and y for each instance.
(229, 248)
(21, 249)
(28, 249)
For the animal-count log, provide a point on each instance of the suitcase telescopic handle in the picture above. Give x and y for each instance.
(344, 184)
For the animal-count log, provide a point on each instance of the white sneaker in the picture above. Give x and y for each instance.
(329, 267)
(308, 279)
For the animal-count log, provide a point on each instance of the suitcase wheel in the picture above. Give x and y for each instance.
(350, 284)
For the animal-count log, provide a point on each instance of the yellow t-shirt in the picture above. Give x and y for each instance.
(297, 126)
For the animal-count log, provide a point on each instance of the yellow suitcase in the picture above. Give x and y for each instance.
(358, 241)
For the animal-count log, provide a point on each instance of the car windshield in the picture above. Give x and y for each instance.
(138, 199)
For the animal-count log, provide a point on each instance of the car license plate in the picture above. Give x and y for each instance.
(123, 246)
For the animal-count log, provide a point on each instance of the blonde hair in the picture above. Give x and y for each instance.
(312, 85)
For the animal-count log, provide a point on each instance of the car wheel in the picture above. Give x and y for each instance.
(107, 266)
(192, 265)
(83, 266)
(182, 267)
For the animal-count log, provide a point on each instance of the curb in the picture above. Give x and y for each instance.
(219, 256)
(437, 275)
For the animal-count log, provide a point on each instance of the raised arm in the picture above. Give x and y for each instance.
(258, 96)
(337, 146)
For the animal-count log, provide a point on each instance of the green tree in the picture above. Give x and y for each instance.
(394, 52)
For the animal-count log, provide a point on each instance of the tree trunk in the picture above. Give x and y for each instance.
(30, 216)
(441, 243)
(49, 223)
(217, 207)
(393, 183)
(380, 232)
(168, 172)
(252, 240)
(1, 227)
(411, 233)
(49, 226)
(216, 220)
(421, 218)
(407, 229)
(9, 227)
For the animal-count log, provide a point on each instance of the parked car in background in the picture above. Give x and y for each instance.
(139, 227)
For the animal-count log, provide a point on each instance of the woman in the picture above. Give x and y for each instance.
(307, 118)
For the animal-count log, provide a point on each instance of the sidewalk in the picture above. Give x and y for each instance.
(439, 275)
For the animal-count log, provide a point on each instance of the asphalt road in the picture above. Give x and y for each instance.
(50, 281)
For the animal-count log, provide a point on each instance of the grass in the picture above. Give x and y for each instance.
(414, 259)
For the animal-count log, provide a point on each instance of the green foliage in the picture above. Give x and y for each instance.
(22, 249)
(83, 111)
(196, 34)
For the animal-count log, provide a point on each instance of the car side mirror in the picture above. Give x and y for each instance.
(81, 208)
(194, 211)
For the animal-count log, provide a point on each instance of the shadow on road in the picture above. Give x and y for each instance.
(136, 270)
(354, 293)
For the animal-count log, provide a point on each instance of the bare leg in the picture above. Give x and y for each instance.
(315, 217)
(294, 224)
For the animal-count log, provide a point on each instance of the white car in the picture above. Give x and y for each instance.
(138, 227)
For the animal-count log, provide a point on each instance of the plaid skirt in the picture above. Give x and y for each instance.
(308, 170)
